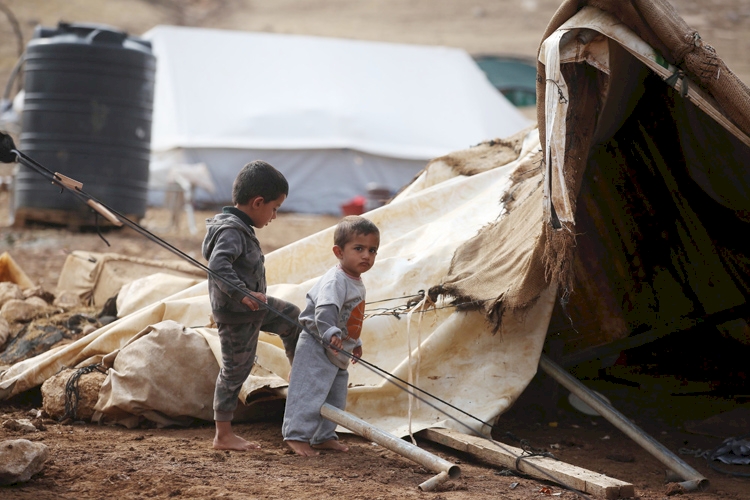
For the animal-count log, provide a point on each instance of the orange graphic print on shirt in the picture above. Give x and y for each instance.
(354, 324)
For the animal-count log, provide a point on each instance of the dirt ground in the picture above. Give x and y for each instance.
(90, 461)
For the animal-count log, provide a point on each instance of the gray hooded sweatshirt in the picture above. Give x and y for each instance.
(233, 252)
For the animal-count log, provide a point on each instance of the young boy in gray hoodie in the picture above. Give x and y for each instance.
(233, 252)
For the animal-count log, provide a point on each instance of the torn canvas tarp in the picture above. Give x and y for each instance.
(645, 137)
(593, 62)
(166, 374)
(448, 352)
(96, 277)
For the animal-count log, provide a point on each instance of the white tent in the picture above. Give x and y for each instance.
(333, 115)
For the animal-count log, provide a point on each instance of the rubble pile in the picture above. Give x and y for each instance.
(34, 320)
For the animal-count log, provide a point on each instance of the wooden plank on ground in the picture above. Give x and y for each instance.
(538, 467)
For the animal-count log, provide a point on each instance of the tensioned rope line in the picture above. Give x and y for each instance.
(420, 294)
(8, 154)
(404, 308)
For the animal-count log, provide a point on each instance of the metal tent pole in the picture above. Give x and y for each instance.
(444, 468)
(692, 479)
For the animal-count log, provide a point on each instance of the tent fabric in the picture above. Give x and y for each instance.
(500, 266)
(143, 291)
(660, 26)
(642, 158)
(445, 350)
(244, 90)
(96, 277)
(695, 65)
(317, 108)
(145, 378)
(166, 374)
(594, 72)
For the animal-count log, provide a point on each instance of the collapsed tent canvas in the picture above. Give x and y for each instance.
(621, 215)
(646, 147)
(445, 350)
(631, 239)
(646, 189)
(97, 277)
(316, 108)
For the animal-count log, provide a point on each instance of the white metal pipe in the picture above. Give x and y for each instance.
(434, 482)
(692, 479)
(424, 458)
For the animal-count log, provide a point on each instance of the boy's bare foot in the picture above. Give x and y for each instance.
(302, 448)
(226, 439)
(234, 442)
(332, 444)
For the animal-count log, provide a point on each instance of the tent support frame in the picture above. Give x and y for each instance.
(446, 470)
(692, 479)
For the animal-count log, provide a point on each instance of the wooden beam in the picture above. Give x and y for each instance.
(544, 468)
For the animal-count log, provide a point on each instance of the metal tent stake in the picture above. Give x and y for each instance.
(424, 458)
(692, 479)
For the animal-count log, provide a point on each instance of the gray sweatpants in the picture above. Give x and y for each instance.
(239, 342)
(315, 380)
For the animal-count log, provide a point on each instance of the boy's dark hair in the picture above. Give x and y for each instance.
(350, 226)
(258, 178)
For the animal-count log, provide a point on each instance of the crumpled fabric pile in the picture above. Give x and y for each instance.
(733, 451)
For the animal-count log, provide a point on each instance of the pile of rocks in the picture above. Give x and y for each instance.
(33, 320)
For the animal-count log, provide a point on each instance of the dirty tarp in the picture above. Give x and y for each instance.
(10, 271)
(96, 277)
(581, 103)
(149, 289)
(646, 139)
(146, 378)
(574, 115)
(450, 353)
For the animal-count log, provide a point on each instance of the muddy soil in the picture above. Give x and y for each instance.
(91, 461)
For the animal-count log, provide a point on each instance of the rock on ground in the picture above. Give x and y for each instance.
(53, 394)
(9, 291)
(20, 459)
(4, 331)
(16, 310)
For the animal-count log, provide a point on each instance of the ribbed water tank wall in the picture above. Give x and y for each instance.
(89, 92)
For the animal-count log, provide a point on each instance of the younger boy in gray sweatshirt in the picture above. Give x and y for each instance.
(332, 322)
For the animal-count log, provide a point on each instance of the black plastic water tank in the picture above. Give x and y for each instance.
(89, 92)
